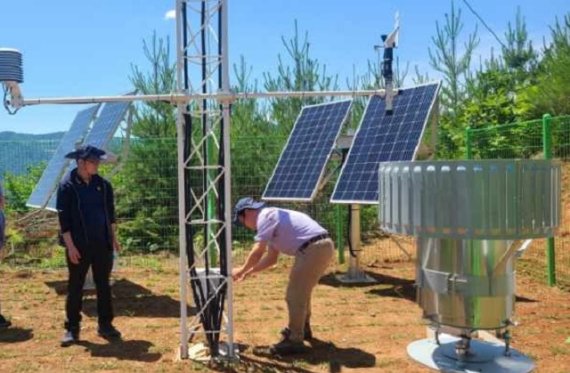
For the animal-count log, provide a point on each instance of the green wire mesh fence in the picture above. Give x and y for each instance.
(536, 139)
(145, 184)
(147, 203)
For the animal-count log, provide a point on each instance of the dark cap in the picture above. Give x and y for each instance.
(87, 152)
(245, 204)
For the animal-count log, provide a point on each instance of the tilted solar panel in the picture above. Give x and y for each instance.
(381, 138)
(106, 124)
(102, 131)
(52, 173)
(301, 164)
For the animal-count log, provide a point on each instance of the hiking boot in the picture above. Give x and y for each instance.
(108, 331)
(70, 337)
(287, 347)
(307, 335)
(4, 323)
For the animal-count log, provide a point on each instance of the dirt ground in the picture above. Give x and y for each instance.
(358, 328)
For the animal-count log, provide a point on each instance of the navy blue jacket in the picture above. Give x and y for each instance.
(71, 218)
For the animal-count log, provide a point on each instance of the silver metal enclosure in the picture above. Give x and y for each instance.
(486, 199)
(465, 284)
(466, 215)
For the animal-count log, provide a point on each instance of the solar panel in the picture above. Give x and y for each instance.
(101, 133)
(52, 173)
(381, 138)
(302, 162)
(106, 124)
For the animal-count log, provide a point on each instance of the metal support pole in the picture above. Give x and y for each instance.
(550, 250)
(185, 98)
(339, 233)
(354, 273)
(183, 259)
(227, 180)
(354, 259)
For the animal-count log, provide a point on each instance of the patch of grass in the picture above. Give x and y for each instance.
(300, 364)
(142, 261)
(171, 290)
(563, 331)
(26, 366)
(55, 262)
(398, 336)
(552, 317)
(560, 350)
(386, 362)
(104, 365)
(153, 327)
(159, 349)
(6, 355)
(197, 367)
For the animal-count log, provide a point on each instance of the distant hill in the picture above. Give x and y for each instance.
(14, 136)
(18, 151)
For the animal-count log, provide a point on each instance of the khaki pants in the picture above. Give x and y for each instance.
(307, 269)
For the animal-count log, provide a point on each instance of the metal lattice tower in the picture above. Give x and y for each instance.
(204, 171)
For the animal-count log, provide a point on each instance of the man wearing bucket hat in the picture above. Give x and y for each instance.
(86, 212)
(292, 233)
(3, 322)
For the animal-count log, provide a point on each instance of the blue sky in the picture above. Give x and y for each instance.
(85, 48)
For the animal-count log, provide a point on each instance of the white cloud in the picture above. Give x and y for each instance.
(171, 14)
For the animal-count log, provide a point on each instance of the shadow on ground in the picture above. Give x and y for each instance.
(129, 299)
(319, 353)
(384, 285)
(15, 334)
(524, 300)
(137, 350)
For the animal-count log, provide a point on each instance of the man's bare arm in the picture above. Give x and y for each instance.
(253, 258)
(268, 260)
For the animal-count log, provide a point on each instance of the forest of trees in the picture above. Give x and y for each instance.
(519, 82)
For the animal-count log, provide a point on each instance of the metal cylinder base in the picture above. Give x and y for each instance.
(483, 357)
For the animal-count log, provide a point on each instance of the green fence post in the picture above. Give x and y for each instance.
(339, 232)
(468, 146)
(547, 149)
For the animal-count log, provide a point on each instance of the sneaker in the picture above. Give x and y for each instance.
(108, 332)
(70, 337)
(287, 347)
(4, 323)
(307, 335)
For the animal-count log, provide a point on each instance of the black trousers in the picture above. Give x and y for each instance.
(100, 259)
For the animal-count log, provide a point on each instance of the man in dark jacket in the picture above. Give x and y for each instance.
(86, 213)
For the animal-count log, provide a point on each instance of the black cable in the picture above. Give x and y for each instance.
(221, 187)
(483, 22)
(197, 291)
(349, 238)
